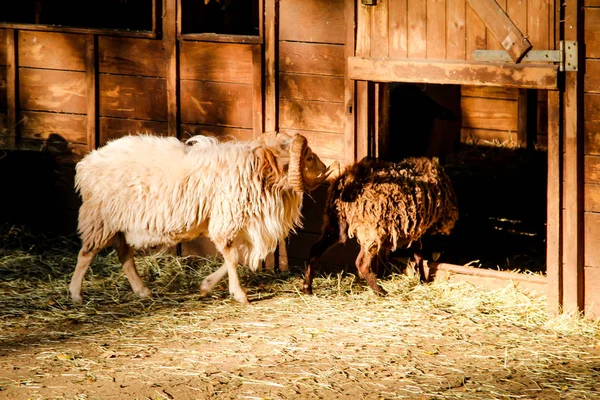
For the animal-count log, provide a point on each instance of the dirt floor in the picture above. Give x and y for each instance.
(443, 340)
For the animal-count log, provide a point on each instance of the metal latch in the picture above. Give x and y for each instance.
(566, 56)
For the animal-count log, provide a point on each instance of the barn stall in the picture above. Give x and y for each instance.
(515, 74)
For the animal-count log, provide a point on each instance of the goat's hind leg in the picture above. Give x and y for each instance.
(364, 263)
(84, 259)
(125, 254)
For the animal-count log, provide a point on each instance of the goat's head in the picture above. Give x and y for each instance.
(306, 170)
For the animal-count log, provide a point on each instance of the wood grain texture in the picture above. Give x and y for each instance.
(476, 33)
(592, 237)
(592, 76)
(51, 50)
(217, 62)
(592, 32)
(436, 29)
(129, 56)
(489, 92)
(489, 113)
(91, 91)
(114, 128)
(308, 58)
(318, 21)
(3, 103)
(221, 132)
(3, 47)
(271, 56)
(133, 97)
(311, 87)
(52, 126)
(591, 307)
(591, 137)
(349, 85)
(52, 90)
(417, 28)
(398, 23)
(380, 29)
(326, 145)
(311, 115)
(538, 12)
(456, 29)
(210, 103)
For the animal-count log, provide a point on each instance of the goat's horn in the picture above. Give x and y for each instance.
(297, 149)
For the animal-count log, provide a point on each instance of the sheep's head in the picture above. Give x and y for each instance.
(306, 170)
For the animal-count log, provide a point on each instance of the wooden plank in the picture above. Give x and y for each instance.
(489, 92)
(350, 85)
(52, 90)
(436, 29)
(398, 23)
(170, 58)
(476, 33)
(453, 72)
(3, 103)
(221, 132)
(311, 115)
(592, 169)
(12, 92)
(92, 93)
(591, 104)
(591, 197)
(573, 290)
(592, 238)
(271, 65)
(257, 92)
(537, 21)
(492, 42)
(310, 58)
(133, 97)
(52, 126)
(489, 113)
(591, 306)
(592, 137)
(311, 87)
(217, 62)
(131, 56)
(417, 29)
(3, 38)
(380, 29)
(382, 120)
(592, 76)
(522, 116)
(554, 206)
(502, 28)
(592, 32)
(517, 11)
(488, 137)
(314, 21)
(456, 30)
(325, 144)
(114, 128)
(364, 23)
(210, 103)
(363, 118)
(52, 50)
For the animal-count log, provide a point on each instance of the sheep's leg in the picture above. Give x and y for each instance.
(420, 265)
(316, 252)
(364, 262)
(211, 281)
(84, 259)
(125, 254)
(231, 260)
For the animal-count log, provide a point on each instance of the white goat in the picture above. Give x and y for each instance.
(144, 191)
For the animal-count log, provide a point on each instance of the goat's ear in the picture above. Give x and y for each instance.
(268, 166)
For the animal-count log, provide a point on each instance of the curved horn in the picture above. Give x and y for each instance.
(297, 149)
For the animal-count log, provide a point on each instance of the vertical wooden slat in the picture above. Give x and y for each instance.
(363, 133)
(349, 84)
(554, 205)
(455, 29)
(257, 84)
(380, 28)
(517, 11)
(382, 120)
(92, 91)
(436, 29)
(492, 42)
(537, 23)
(573, 222)
(169, 38)
(417, 28)
(527, 118)
(270, 43)
(12, 92)
(364, 22)
(398, 23)
(476, 33)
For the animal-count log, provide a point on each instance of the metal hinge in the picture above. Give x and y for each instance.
(565, 56)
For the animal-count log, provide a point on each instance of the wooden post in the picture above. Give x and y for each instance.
(349, 84)
(527, 118)
(554, 264)
(257, 85)
(382, 120)
(502, 27)
(12, 85)
(573, 179)
(271, 46)
(169, 32)
(92, 91)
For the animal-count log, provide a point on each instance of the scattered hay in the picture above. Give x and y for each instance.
(444, 340)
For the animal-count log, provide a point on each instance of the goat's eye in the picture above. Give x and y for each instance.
(310, 158)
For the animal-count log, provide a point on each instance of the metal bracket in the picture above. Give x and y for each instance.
(369, 2)
(566, 56)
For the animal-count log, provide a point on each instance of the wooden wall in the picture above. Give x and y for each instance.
(592, 157)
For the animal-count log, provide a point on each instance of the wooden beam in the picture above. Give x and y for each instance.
(527, 118)
(271, 45)
(382, 120)
(349, 85)
(257, 90)
(91, 71)
(12, 91)
(379, 69)
(502, 28)
(169, 38)
(554, 205)
(573, 283)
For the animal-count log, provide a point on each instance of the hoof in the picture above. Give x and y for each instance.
(381, 292)
(77, 298)
(307, 289)
(144, 292)
(241, 298)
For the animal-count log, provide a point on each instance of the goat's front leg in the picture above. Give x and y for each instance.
(229, 267)
(364, 262)
(328, 239)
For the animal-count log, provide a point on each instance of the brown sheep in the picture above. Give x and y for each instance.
(386, 206)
